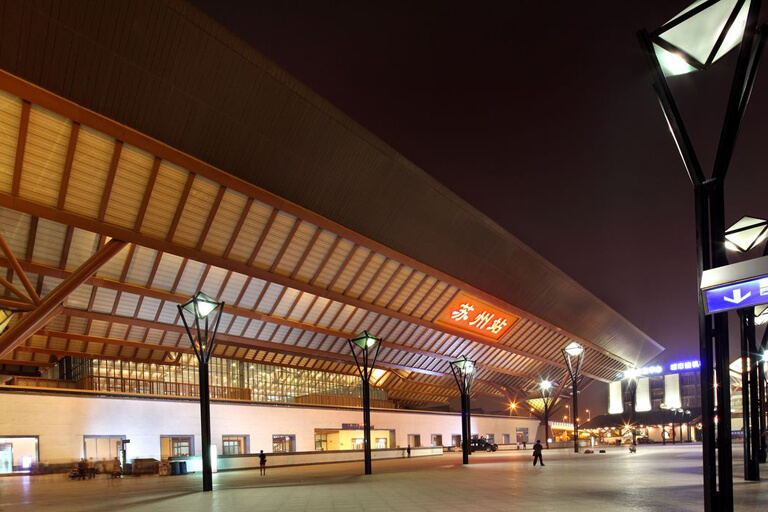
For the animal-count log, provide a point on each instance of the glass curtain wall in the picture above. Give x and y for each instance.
(228, 379)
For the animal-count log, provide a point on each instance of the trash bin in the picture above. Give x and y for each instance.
(175, 467)
(183, 467)
(163, 469)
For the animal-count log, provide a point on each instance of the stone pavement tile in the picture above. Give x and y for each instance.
(655, 479)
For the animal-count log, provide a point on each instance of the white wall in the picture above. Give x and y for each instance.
(61, 420)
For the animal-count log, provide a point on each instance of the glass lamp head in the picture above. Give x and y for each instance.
(365, 340)
(574, 349)
(466, 366)
(700, 35)
(201, 305)
(746, 234)
(761, 314)
(545, 385)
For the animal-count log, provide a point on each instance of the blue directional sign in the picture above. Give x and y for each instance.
(737, 296)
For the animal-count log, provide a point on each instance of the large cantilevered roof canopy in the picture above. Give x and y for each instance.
(128, 181)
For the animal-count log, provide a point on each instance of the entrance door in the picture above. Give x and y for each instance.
(102, 447)
(456, 440)
(414, 440)
(6, 458)
(282, 443)
(172, 446)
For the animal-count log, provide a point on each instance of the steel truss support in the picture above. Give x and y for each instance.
(51, 305)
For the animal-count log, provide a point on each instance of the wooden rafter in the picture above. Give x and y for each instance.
(14, 263)
(37, 318)
(21, 142)
(67, 171)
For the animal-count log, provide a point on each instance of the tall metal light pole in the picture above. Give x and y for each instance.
(574, 359)
(464, 371)
(761, 374)
(546, 397)
(686, 44)
(742, 237)
(361, 347)
(207, 311)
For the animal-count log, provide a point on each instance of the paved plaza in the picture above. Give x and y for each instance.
(657, 478)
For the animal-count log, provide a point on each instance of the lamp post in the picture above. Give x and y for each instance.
(464, 371)
(574, 359)
(546, 397)
(206, 311)
(663, 408)
(761, 391)
(361, 347)
(691, 41)
(742, 237)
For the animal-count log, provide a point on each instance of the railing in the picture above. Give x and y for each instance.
(146, 387)
(37, 382)
(339, 400)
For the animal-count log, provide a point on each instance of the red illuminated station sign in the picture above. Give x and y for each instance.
(475, 316)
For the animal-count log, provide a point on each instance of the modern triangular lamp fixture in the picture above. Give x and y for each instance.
(700, 35)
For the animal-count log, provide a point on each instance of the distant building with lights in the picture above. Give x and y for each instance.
(646, 389)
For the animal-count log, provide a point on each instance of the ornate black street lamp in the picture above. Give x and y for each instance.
(464, 371)
(546, 398)
(206, 311)
(693, 41)
(362, 346)
(574, 359)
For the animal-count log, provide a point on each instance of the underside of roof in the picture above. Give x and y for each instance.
(168, 160)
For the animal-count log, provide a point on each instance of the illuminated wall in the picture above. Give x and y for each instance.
(615, 398)
(643, 395)
(672, 390)
(62, 420)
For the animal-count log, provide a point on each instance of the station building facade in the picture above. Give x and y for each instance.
(131, 179)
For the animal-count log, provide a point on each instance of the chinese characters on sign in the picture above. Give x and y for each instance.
(475, 316)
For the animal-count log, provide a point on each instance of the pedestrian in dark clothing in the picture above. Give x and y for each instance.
(537, 453)
(408, 451)
(524, 443)
(262, 463)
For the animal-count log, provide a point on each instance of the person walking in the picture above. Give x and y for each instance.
(537, 453)
(262, 463)
(408, 450)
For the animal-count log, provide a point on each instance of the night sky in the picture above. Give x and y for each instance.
(542, 116)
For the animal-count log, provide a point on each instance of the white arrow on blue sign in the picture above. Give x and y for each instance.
(737, 296)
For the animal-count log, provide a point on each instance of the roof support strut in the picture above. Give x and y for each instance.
(51, 305)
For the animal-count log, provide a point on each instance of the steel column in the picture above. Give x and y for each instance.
(754, 403)
(205, 424)
(367, 426)
(465, 428)
(575, 416)
(761, 392)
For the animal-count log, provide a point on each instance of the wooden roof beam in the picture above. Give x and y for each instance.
(31, 322)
